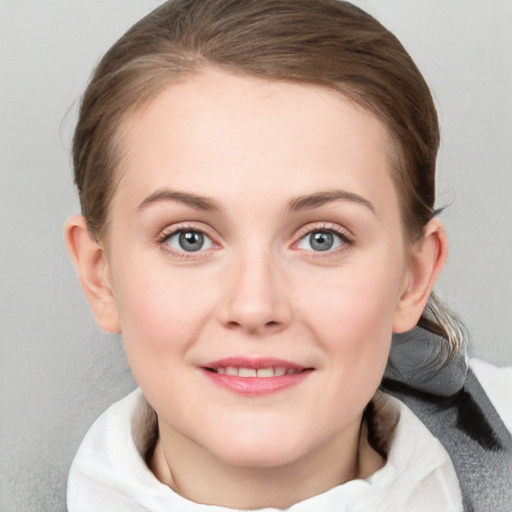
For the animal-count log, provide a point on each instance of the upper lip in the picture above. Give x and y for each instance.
(254, 363)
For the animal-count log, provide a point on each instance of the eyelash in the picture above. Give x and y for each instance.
(345, 238)
(167, 234)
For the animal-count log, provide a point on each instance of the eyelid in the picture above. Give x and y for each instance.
(344, 234)
(325, 226)
(170, 230)
(173, 229)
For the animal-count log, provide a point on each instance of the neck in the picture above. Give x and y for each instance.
(197, 475)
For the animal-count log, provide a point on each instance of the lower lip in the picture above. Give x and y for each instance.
(256, 385)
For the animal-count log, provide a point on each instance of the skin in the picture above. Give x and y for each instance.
(254, 149)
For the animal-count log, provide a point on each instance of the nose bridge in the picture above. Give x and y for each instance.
(256, 300)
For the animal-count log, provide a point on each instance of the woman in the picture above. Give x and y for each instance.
(257, 182)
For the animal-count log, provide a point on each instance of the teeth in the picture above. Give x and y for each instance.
(246, 372)
(265, 372)
(260, 372)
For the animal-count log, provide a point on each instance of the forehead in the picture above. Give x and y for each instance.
(236, 136)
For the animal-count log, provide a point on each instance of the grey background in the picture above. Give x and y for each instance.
(57, 370)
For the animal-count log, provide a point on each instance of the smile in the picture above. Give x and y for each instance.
(255, 377)
(253, 372)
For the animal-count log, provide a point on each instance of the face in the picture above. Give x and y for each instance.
(257, 261)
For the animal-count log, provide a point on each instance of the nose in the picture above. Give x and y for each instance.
(255, 299)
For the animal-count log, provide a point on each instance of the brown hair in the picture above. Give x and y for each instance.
(328, 43)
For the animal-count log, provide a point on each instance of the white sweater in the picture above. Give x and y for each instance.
(109, 474)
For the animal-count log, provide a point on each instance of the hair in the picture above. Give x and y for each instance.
(328, 43)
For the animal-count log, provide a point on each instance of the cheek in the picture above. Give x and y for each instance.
(159, 310)
(353, 326)
(358, 298)
(352, 313)
(160, 321)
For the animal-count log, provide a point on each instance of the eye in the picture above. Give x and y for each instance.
(321, 241)
(188, 240)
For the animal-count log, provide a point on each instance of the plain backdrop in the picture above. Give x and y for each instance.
(57, 370)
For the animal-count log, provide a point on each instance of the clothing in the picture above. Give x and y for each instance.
(110, 474)
(452, 404)
(109, 471)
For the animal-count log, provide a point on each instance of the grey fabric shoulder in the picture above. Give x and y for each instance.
(452, 404)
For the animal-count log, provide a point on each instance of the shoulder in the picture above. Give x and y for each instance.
(497, 384)
(109, 470)
(418, 474)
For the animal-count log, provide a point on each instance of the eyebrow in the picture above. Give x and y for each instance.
(298, 204)
(193, 200)
(309, 202)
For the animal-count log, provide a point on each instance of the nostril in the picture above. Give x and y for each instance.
(233, 325)
(269, 326)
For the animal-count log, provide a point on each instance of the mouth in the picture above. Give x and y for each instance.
(256, 376)
(263, 373)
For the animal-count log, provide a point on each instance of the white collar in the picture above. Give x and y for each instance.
(109, 473)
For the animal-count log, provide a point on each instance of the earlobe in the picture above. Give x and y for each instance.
(426, 260)
(92, 266)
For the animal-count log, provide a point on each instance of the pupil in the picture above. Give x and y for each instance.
(191, 241)
(321, 241)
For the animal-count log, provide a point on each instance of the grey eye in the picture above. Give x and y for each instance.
(189, 241)
(320, 241)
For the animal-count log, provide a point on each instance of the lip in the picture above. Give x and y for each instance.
(255, 386)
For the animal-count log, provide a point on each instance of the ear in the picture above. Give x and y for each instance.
(93, 270)
(426, 260)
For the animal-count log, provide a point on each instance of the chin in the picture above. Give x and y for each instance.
(258, 450)
(263, 457)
